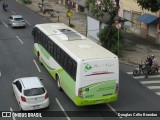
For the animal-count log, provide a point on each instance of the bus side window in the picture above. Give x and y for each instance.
(54, 52)
(62, 58)
(65, 63)
(74, 70)
(58, 52)
(51, 48)
(70, 66)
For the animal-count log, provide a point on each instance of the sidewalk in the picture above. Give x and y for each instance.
(136, 50)
(79, 20)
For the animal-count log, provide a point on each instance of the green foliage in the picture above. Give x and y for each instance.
(107, 8)
(27, 1)
(71, 25)
(114, 39)
(151, 5)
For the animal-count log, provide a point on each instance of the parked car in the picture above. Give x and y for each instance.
(30, 93)
(16, 21)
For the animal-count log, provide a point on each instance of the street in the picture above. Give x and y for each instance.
(18, 60)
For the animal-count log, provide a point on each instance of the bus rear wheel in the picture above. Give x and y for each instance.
(58, 83)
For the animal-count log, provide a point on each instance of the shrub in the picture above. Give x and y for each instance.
(71, 25)
(27, 1)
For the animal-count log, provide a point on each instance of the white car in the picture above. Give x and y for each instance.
(30, 93)
(16, 21)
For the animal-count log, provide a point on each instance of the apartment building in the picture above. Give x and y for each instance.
(143, 22)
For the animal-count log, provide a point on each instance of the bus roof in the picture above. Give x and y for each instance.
(72, 42)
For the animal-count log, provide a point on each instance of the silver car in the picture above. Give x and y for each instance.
(16, 21)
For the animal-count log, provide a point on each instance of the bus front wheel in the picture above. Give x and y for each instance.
(58, 83)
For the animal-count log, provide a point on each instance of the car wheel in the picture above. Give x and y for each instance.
(11, 26)
(136, 72)
(58, 83)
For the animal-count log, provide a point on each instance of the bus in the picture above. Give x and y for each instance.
(84, 70)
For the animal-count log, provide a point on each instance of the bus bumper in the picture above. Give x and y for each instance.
(83, 102)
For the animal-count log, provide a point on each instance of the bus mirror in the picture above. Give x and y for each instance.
(33, 32)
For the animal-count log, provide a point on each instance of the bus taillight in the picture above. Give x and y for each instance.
(80, 93)
(117, 88)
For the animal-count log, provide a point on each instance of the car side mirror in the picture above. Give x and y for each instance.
(14, 83)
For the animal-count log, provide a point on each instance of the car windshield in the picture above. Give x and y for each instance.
(18, 19)
(34, 91)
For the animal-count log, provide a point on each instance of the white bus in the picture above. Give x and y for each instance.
(87, 72)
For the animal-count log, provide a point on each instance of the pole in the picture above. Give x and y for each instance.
(69, 21)
(118, 42)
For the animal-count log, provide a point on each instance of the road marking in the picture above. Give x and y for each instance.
(113, 110)
(12, 116)
(62, 109)
(28, 23)
(12, 11)
(140, 77)
(0, 74)
(153, 87)
(130, 73)
(150, 82)
(36, 65)
(19, 39)
(4, 23)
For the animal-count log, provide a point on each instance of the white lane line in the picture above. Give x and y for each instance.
(19, 39)
(150, 82)
(4, 23)
(28, 23)
(130, 73)
(140, 77)
(36, 65)
(0, 74)
(153, 87)
(12, 11)
(12, 116)
(62, 109)
(158, 93)
(113, 110)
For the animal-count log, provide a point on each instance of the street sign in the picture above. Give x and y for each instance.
(69, 14)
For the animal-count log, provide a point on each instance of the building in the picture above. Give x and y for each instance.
(144, 23)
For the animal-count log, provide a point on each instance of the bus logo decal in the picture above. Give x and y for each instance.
(87, 67)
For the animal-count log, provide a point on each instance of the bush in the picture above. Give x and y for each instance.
(114, 39)
(71, 25)
(27, 1)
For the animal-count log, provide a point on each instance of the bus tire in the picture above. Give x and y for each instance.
(39, 58)
(58, 83)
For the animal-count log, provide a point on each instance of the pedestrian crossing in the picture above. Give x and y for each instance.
(152, 82)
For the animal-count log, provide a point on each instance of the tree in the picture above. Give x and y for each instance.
(114, 42)
(151, 5)
(110, 8)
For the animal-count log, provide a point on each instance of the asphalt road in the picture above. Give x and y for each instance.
(18, 60)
